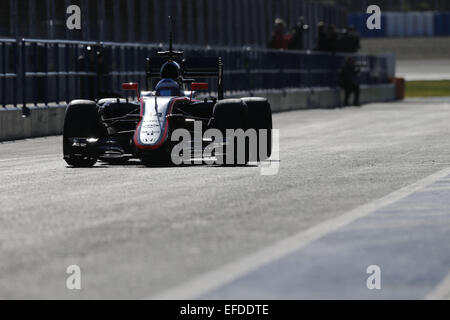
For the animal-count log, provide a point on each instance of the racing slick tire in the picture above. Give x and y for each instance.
(81, 121)
(230, 114)
(259, 118)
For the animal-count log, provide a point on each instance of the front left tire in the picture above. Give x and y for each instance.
(81, 122)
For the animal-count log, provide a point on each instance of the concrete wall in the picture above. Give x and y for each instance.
(311, 98)
(44, 121)
(47, 121)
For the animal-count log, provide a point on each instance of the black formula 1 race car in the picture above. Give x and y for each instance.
(116, 130)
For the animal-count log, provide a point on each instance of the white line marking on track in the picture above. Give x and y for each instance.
(441, 292)
(217, 278)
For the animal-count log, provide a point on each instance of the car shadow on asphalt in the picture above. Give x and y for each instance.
(135, 164)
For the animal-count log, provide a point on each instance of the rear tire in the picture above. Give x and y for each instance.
(231, 114)
(81, 121)
(260, 118)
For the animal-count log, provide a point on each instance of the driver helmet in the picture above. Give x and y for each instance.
(168, 88)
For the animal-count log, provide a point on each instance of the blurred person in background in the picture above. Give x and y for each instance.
(322, 36)
(352, 40)
(93, 64)
(280, 39)
(297, 33)
(288, 40)
(327, 37)
(355, 37)
(332, 38)
(349, 81)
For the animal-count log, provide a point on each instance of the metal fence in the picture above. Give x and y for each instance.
(43, 71)
(200, 22)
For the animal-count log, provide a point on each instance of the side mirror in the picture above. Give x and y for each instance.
(196, 86)
(132, 86)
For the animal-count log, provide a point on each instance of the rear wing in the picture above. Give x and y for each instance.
(193, 68)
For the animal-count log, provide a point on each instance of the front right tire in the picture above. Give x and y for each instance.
(259, 118)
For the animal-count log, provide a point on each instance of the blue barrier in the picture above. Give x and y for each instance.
(442, 24)
(359, 21)
(43, 71)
